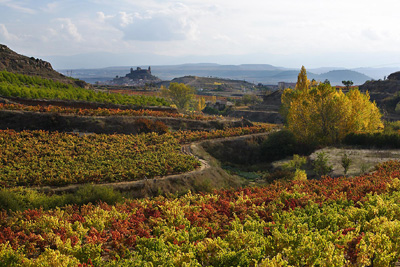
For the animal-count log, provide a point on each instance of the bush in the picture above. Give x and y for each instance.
(282, 144)
(210, 110)
(346, 161)
(296, 163)
(279, 145)
(380, 140)
(279, 175)
(300, 175)
(148, 126)
(321, 166)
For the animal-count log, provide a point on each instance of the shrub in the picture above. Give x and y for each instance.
(210, 110)
(380, 140)
(296, 163)
(295, 166)
(148, 126)
(283, 143)
(346, 161)
(279, 145)
(279, 175)
(321, 166)
(300, 175)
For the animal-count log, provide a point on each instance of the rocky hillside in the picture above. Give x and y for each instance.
(383, 90)
(16, 63)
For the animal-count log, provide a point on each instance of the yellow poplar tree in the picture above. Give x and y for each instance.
(365, 116)
(201, 104)
(325, 115)
(303, 83)
(300, 91)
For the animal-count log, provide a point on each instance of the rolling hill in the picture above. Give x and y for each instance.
(16, 63)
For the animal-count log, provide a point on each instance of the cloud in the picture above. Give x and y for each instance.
(8, 36)
(370, 34)
(126, 19)
(67, 30)
(51, 7)
(171, 24)
(17, 6)
(159, 28)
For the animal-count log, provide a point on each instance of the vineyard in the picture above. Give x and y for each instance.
(341, 221)
(193, 136)
(327, 222)
(17, 85)
(39, 158)
(42, 158)
(104, 112)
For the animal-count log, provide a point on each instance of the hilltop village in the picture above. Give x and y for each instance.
(138, 77)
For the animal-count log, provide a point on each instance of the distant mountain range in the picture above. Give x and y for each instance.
(254, 73)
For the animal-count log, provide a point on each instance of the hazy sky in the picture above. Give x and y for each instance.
(290, 33)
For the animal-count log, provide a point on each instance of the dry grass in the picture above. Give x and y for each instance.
(362, 160)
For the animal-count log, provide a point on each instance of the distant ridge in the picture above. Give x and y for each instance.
(337, 76)
(16, 63)
(253, 73)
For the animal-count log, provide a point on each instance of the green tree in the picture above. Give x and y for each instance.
(327, 82)
(321, 166)
(347, 84)
(346, 161)
(250, 99)
(179, 94)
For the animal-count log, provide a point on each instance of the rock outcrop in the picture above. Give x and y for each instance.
(394, 76)
(382, 89)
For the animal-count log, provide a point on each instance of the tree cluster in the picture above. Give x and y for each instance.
(325, 115)
(183, 96)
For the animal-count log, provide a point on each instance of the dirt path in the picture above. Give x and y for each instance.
(140, 185)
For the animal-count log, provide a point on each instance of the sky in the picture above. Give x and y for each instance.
(287, 33)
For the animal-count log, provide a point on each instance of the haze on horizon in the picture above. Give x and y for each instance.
(288, 33)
